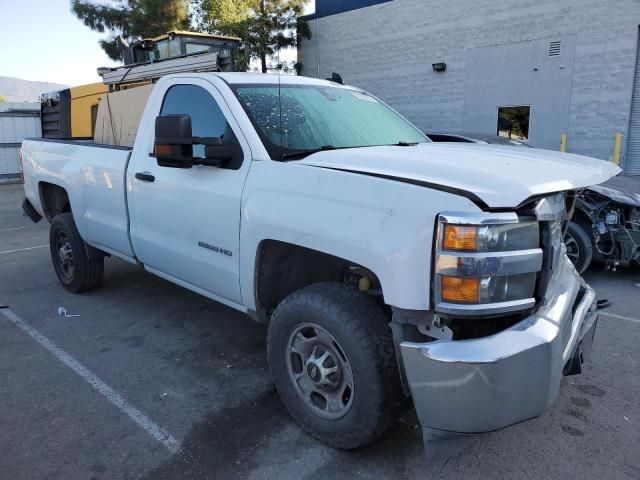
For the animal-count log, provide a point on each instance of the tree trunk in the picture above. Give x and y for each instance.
(263, 55)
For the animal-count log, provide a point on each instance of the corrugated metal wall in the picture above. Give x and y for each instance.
(632, 157)
(17, 122)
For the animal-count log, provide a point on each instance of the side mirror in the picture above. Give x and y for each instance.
(174, 141)
(216, 151)
(173, 144)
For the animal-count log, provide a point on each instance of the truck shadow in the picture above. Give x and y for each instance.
(252, 437)
(258, 439)
(249, 434)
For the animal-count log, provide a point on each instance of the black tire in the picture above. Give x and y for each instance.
(360, 328)
(79, 267)
(579, 246)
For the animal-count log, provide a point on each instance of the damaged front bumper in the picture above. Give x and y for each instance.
(484, 384)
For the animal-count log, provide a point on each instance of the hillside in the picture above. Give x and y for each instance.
(18, 90)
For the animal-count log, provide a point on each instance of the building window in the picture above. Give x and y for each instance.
(513, 122)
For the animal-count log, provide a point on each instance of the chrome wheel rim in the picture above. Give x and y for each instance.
(573, 250)
(320, 371)
(65, 256)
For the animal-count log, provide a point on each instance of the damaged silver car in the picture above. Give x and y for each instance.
(606, 224)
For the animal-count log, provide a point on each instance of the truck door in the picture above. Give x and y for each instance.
(185, 222)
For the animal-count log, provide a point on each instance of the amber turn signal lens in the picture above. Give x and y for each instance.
(456, 289)
(162, 150)
(457, 237)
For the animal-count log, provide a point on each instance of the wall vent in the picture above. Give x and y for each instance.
(554, 48)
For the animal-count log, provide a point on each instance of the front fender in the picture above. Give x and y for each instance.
(383, 225)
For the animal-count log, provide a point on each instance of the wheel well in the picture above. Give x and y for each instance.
(54, 199)
(282, 268)
(583, 219)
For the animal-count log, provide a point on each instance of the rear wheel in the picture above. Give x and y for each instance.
(579, 246)
(332, 360)
(78, 268)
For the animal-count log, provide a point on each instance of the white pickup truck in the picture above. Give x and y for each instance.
(384, 264)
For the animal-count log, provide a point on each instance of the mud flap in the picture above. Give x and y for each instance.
(30, 211)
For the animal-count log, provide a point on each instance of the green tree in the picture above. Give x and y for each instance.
(225, 17)
(133, 19)
(267, 25)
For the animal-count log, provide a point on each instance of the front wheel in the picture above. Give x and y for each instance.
(579, 247)
(77, 269)
(332, 359)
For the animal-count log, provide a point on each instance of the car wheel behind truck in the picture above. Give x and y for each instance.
(79, 267)
(579, 246)
(332, 359)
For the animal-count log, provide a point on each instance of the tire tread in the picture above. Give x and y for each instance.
(88, 269)
(584, 244)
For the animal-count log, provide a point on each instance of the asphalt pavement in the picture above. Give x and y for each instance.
(152, 381)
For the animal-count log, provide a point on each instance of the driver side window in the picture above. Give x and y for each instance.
(207, 120)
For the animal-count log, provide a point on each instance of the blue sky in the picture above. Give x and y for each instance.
(42, 40)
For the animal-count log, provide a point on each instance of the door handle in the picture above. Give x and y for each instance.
(145, 176)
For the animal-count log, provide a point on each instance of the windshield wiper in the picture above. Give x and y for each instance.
(304, 153)
(403, 144)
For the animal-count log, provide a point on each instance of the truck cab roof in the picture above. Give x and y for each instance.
(238, 78)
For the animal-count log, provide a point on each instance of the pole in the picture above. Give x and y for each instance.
(616, 148)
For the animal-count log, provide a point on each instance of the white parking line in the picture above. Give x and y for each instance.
(11, 228)
(109, 393)
(620, 317)
(24, 249)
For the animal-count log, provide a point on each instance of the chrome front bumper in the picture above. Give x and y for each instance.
(480, 385)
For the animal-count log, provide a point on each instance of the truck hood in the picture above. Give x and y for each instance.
(492, 176)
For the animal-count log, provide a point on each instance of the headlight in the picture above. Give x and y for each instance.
(491, 238)
(486, 264)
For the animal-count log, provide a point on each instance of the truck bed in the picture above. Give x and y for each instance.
(94, 178)
(75, 141)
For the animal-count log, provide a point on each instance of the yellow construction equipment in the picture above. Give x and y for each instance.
(71, 113)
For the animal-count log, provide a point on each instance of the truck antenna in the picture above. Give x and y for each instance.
(280, 111)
